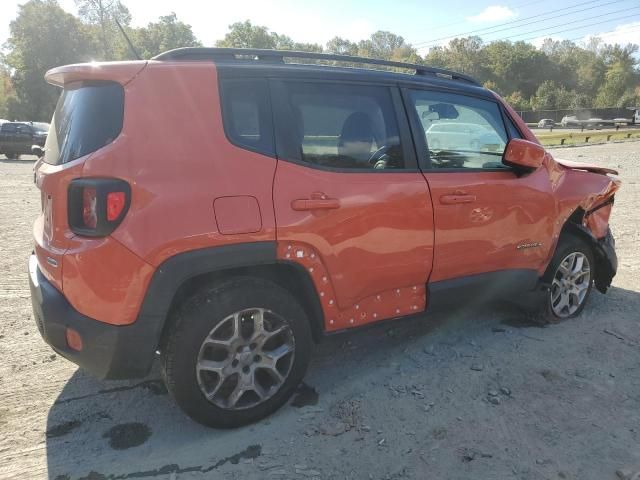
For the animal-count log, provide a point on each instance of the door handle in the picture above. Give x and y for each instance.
(318, 201)
(457, 198)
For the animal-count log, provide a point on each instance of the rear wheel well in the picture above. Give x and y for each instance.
(287, 275)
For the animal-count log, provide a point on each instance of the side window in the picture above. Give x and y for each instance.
(246, 112)
(9, 128)
(460, 131)
(342, 126)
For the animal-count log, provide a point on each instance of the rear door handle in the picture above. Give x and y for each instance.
(457, 198)
(318, 201)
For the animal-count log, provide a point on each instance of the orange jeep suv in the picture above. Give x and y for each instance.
(224, 209)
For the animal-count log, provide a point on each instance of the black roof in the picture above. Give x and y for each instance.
(277, 57)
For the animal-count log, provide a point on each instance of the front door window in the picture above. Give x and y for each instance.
(460, 131)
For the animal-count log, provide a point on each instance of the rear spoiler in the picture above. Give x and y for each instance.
(120, 72)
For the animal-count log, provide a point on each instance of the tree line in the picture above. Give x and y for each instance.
(558, 75)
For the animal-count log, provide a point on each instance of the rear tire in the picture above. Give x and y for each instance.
(236, 352)
(570, 275)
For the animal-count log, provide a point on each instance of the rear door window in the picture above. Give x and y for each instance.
(339, 126)
(88, 116)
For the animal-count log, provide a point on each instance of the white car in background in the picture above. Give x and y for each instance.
(462, 136)
(570, 121)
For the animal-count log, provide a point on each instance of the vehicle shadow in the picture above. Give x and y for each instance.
(119, 430)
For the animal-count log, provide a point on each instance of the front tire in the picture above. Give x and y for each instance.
(236, 352)
(570, 275)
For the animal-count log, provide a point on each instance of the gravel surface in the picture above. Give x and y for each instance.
(473, 394)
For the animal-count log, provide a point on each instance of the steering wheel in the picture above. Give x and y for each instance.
(445, 159)
(378, 154)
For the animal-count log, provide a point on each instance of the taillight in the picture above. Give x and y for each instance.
(96, 206)
(89, 213)
(115, 205)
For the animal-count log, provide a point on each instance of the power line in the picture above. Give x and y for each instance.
(523, 4)
(575, 21)
(597, 35)
(582, 26)
(522, 20)
(594, 35)
(569, 23)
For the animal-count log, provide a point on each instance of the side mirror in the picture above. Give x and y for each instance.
(37, 150)
(523, 155)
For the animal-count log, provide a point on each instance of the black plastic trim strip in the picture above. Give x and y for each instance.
(481, 287)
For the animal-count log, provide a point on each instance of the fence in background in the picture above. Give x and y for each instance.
(534, 116)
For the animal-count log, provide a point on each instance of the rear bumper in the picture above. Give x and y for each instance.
(109, 351)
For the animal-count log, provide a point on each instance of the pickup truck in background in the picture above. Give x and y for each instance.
(17, 138)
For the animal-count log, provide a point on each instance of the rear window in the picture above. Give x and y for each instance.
(88, 117)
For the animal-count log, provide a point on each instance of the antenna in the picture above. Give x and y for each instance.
(126, 37)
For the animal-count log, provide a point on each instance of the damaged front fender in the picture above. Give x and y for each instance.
(585, 196)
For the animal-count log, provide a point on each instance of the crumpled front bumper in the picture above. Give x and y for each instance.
(606, 261)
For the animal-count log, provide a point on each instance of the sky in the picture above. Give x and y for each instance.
(422, 23)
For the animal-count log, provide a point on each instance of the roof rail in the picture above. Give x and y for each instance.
(278, 56)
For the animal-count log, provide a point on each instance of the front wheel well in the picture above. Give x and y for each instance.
(604, 255)
(288, 275)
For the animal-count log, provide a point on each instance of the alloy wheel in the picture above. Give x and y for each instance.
(570, 284)
(245, 359)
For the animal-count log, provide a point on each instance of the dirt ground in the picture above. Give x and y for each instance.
(471, 394)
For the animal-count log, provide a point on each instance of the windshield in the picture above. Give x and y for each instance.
(88, 116)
